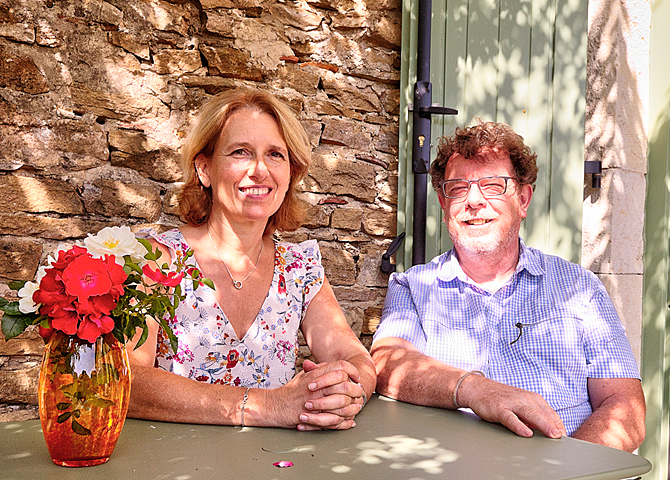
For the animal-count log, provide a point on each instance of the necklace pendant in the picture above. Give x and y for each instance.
(237, 284)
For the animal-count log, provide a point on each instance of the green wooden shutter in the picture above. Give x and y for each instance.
(522, 62)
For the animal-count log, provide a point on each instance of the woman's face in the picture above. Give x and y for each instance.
(249, 170)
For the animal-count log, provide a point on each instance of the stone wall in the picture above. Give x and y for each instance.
(617, 111)
(96, 96)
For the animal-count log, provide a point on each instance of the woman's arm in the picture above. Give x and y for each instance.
(337, 349)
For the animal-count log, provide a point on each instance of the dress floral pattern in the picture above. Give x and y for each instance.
(209, 350)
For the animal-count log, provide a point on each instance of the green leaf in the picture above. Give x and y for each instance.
(63, 417)
(208, 282)
(79, 429)
(143, 337)
(3, 302)
(99, 402)
(146, 244)
(63, 406)
(17, 284)
(12, 308)
(14, 325)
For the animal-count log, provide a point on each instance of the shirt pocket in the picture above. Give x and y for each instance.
(555, 341)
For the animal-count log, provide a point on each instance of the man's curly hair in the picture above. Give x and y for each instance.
(477, 142)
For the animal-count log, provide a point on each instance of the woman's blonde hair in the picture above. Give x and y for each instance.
(195, 200)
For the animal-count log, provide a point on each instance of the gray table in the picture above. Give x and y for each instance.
(392, 440)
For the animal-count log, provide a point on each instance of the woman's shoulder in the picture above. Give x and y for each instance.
(301, 256)
(173, 239)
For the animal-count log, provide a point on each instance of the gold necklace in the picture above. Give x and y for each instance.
(236, 283)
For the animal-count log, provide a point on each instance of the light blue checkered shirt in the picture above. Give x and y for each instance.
(571, 330)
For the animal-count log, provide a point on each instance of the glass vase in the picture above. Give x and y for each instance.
(84, 392)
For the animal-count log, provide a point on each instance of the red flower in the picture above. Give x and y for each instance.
(79, 292)
(233, 358)
(90, 327)
(86, 277)
(172, 279)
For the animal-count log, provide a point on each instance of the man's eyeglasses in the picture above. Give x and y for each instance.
(489, 186)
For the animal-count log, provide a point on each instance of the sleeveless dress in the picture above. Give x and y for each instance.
(209, 350)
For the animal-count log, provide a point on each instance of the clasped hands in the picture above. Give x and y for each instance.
(324, 396)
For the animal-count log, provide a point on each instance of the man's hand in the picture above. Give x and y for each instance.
(517, 409)
(408, 375)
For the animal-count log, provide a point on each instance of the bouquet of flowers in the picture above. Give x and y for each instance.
(107, 285)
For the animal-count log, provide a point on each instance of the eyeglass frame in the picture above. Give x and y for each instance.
(470, 182)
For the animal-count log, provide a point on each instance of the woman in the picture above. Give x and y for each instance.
(235, 364)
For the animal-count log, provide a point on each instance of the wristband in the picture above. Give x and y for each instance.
(458, 384)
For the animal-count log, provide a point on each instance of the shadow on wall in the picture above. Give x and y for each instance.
(616, 135)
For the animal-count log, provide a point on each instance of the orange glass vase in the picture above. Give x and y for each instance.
(83, 398)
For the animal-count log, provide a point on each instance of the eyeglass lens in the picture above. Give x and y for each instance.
(489, 186)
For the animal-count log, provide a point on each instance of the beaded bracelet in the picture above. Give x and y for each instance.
(458, 384)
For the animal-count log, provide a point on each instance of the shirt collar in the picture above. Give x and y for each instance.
(529, 260)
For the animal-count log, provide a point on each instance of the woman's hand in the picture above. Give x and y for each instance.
(320, 397)
(340, 400)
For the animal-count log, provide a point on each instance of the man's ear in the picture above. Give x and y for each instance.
(525, 195)
(444, 204)
(202, 169)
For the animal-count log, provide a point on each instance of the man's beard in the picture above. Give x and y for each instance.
(491, 245)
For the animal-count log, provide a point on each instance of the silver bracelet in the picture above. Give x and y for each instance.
(244, 404)
(365, 398)
(458, 384)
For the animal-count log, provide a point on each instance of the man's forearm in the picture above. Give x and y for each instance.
(410, 376)
(618, 422)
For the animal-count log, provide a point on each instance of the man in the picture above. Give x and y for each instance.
(521, 338)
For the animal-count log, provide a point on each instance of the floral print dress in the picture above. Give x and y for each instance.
(209, 350)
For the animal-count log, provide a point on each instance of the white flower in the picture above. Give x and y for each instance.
(118, 241)
(41, 272)
(26, 304)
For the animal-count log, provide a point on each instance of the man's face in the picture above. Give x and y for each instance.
(485, 225)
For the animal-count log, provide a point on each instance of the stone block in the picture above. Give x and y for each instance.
(297, 15)
(230, 62)
(339, 265)
(114, 198)
(19, 258)
(369, 267)
(371, 320)
(63, 145)
(18, 32)
(50, 227)
(38, 195)
(300, 79)
(135, 150)
(354, 316)
(347, 133)
(386, 32)
(130, 43)
(315, 216)
(28, 343)
(613, 222)
(387, 141)
(626, 294)
(333, 172)
(20, 382)
(176, 62)
(379, 222)
(346, 218)
(19, 72)
(242, 4)
(46, 34)
(355, 94)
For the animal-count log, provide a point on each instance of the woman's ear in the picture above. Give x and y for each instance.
(202, 169)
